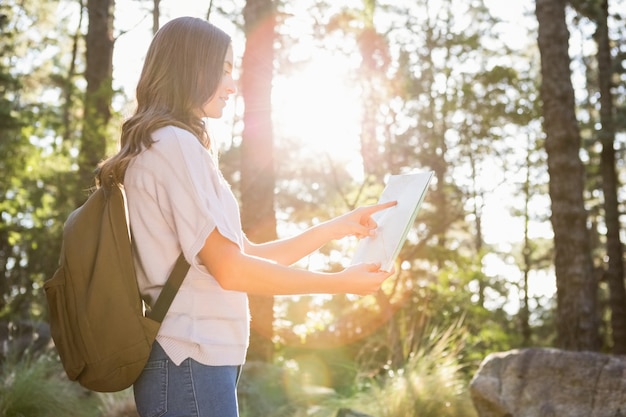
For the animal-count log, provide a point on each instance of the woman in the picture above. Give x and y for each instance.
(179, 201)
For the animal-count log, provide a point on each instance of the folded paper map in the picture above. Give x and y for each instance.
(395, 222)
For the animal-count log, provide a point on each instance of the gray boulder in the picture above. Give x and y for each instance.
(542, 382)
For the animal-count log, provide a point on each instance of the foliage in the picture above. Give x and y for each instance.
(263, 390)
(35, 160)
(431, 382)
(34, 387)
(450, 96)
(458, 102)
(116, 404)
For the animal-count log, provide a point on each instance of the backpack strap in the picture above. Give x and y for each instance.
(169, 290)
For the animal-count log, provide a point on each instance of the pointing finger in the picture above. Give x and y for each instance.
(378, 207)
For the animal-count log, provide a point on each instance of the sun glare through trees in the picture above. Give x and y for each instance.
(318, 107)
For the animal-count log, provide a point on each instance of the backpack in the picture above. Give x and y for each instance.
(101, 328)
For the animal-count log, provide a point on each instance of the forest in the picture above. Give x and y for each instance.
(518, 108)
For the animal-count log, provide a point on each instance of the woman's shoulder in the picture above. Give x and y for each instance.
(179, 145)
(171, 145)
(173, 135)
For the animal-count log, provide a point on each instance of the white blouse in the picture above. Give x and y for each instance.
(176, 197)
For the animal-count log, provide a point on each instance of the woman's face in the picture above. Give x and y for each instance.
(215, 106)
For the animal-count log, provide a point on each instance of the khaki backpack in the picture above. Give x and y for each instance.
(98, 320)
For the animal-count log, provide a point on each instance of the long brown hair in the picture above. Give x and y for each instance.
(182, 71)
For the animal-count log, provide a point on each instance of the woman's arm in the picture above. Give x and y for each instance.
(357, 222)
(238, 271)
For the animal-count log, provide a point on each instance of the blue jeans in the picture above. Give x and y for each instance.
(189, 390)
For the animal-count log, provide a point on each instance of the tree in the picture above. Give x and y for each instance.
(34, 163)
(614, 247)
(532, 255)
(99, 77)
(257, 159)
(598, 12)
(372, 78)
(11, 149)
(577, 322)
(156, 16)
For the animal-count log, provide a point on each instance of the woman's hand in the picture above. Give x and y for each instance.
(235, 270)
(358, 222)
(364, 279)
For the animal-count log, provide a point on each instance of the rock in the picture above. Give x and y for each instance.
(542, 382)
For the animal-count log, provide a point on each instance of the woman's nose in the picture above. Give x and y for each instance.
(231, 87)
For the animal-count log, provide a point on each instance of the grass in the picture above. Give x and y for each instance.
(431, 383)
(117, 404)
(35, 388)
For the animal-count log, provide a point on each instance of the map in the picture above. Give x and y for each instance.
(394, 223)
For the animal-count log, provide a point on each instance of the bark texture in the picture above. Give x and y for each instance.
(577, 324)
(257, 156)
(99, 75)
(614, 249)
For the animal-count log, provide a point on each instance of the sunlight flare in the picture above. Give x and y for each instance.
(319, 107)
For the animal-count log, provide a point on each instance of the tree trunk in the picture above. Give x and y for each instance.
(98, 74)
(524, 311)
(69, 86)
(614, 248)
(374, 55)
(156, 16)
(577, 325)
(257, 162)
